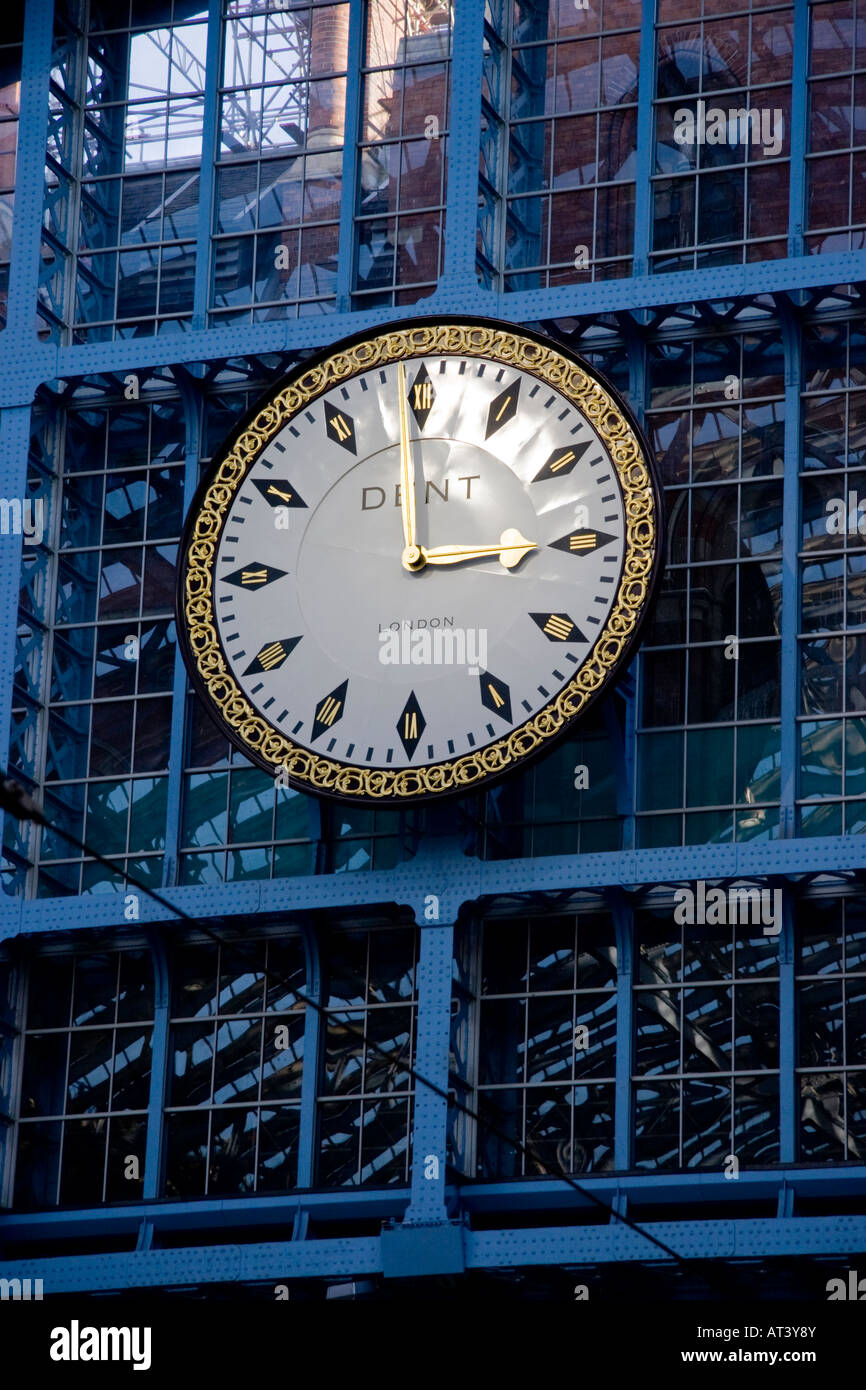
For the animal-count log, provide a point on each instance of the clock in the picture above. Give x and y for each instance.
(419, 560)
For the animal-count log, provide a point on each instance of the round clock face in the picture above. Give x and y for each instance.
(419, 560)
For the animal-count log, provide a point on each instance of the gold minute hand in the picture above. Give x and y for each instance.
(511, 549)
(411, 556)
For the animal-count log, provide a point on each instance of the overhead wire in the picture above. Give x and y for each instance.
(15, 801)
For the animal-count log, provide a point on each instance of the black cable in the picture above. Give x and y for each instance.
(15, 801)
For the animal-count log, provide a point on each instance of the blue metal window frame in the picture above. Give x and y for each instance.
(459, 883)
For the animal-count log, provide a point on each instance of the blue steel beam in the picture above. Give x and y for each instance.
(192, 407)
(345, 281)
(14, 444)
(312, 1055)
(206, 1213)
(790, 616)
(622, 1126)
(645, 153)
(789, 1112)
(29, 180)
(12, 1005)
(276, 1261)
(211, 1264)
(799, 127)
(747, 1238)
(430, 1111)
(41, 362)
(460, 882)
(464, 147)
(28, 363)
(158, 1066)
(207, 176)
(687, 1192)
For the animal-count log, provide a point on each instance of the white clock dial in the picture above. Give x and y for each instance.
(394, 597)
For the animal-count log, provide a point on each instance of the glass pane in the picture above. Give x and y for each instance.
(278, 1149)
(193, 1048)
(83, 1173)
(186, 1155)
(233, 1151)
(95, 989)
(131, 1085)
(43, 1082)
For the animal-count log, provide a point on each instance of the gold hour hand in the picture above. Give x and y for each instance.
(511, 549)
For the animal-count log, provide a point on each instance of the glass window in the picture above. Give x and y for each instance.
(365, 1098)
(831, 999)
(400, 212)
(85, 1083)
(280, 162)
(706, 1043)
(708, 738)
(236, 1052)
(546, 1046)
(559, 142)
(126, 243)
(722, 137)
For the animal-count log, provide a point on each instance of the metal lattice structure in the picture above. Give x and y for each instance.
(162, 310)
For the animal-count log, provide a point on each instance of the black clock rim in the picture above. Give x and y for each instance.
(313, 359)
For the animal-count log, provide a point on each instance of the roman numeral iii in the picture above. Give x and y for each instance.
(330, 710)
(272, 656)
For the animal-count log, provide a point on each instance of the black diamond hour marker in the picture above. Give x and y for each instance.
(341, 427)
(272, 656)
(582, 542)
(279, 492)
(503, 408)
(558, 627)
(411, 725)
(254, 576)
(421, 397)
(561, 461)
(330, 710)
(495, 695)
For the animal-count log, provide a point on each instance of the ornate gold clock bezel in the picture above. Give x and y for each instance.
(464, 337)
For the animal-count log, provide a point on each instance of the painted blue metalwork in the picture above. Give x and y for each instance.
(430, 1110)
(643, 1191)
(207, 177)
(359, 1204)
(645, 153)
(158, 1064)
(12, 1001)
(788, 1089)
(622, 1154)
(790, 620)
(310, 1078)
(27, 216)
(14, 441)
(46, 362)
(628, 688)
(410, 1250)
(799, 117)
(746, 1238)
(459, 882)
(621, 754)
(733, 1235)
(176, 759)
(273, 1261)
(464, 144)
(349, 185)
